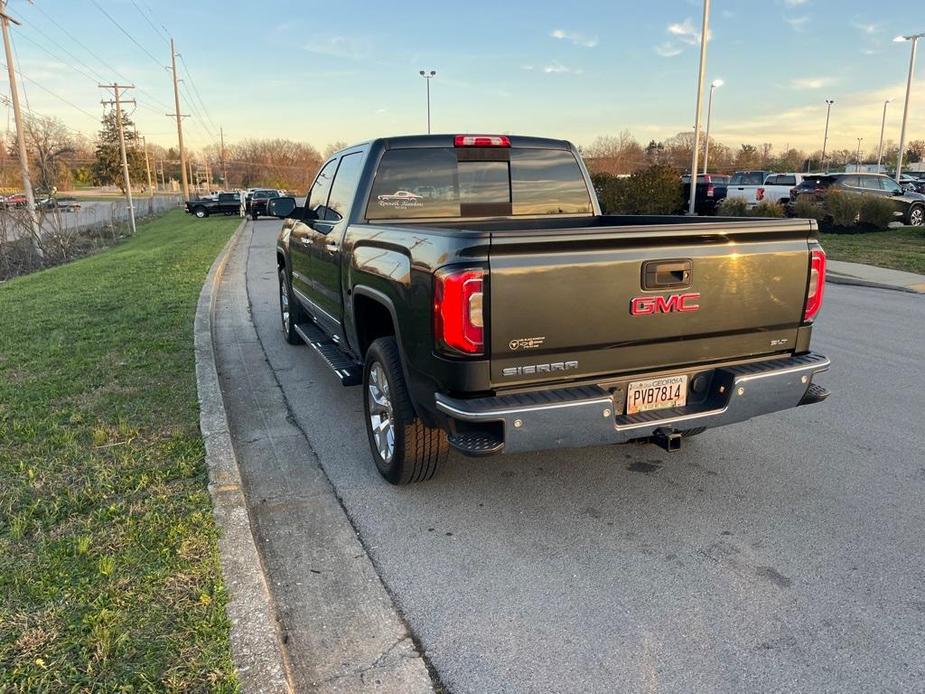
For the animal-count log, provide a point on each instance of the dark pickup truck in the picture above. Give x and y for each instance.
(472, 286)
(225, 203)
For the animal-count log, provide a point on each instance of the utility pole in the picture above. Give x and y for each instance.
(20, 132)
(117, 90)
(163, 177)
(914, 38)
(704, 37)
(882, 127)
(825, 137)
(144, 144)
(221, 132)
(180, 117)
(859, 154)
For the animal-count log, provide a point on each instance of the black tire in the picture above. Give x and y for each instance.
(254, 214)
(916, 216)
(200, 212)
(417, 450)
(295, 315)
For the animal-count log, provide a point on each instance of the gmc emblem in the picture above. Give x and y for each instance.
(673, 303)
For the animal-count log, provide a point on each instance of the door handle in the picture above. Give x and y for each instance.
(667, 274)
(305, 241)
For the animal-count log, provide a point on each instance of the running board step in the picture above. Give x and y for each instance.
(348, 371)
(475, 443)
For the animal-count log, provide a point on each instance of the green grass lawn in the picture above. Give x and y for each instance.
(109, 569)
(898, 249)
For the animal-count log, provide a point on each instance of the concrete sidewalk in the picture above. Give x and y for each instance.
(840, 272)
(339, 627)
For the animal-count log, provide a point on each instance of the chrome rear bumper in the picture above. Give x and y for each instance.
(590, 415)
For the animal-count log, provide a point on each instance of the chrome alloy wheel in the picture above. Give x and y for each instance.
(380, 412)
(917, 218)
(284, 302)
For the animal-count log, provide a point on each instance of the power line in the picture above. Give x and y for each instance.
(196, 90)
(58, 57)
(57, 96)
(148, 20)
(102, 62)
(124, 31)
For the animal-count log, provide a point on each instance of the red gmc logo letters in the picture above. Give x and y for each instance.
(673, 303)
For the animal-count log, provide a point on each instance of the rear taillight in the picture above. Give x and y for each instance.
(482, 141)
(459, 325)
(759, 194)
(816, 284)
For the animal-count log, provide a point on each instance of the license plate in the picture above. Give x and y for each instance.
(656, 394)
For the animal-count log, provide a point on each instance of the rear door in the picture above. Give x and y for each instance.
(593, 302)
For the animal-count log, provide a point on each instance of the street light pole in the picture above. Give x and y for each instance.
(825, 137)
(859, 155)
(882, 126)
(427, 77)
(703, 64)
(902, 133)
(706, 148)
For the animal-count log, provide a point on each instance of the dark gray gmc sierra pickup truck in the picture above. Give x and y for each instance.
(472, 286)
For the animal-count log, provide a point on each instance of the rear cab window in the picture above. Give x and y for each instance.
(448, 182)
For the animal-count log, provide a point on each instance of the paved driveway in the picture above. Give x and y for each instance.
(782, 554)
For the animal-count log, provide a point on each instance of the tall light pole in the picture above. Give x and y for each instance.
(706, 147)
(882, 126)
(902, 133)
(825, 137)
(428, 75)
(859, 155)
(703, 65)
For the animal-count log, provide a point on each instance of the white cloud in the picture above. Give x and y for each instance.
(795, 3)
(668, 49)
(811, 82)
(867, 27)
(686, 32)
(526, 67)
(797, 23)
(575, 37)
(339, 47)
(557, 68)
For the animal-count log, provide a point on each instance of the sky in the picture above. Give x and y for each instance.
(346, 70)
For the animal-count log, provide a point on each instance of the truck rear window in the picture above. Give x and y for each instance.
(418, 183)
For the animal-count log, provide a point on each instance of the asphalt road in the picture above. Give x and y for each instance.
(782, 554)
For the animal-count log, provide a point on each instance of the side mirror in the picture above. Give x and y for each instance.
(281, 207)
(899, 192)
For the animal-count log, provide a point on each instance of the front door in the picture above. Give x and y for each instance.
(326, 245)
(300, 239)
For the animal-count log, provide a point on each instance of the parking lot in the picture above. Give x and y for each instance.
(781, 554)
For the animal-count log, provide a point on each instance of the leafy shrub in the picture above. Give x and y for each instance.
(732, 207)
(656, 189)
(767, 208)
(807, 209)
(877, 212)
(843, 208)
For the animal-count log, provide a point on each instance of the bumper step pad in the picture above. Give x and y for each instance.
(476, 443)
(348, 371)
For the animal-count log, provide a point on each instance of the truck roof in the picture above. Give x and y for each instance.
(408, 141)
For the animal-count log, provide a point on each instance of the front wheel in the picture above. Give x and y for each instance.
(200, 212)
(254, 215)
(290, 310)
(916, 216)
(404, 448)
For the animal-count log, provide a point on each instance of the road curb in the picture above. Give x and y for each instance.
(256, 646)
(856, 282)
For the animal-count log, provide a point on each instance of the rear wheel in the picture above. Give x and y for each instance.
(916, 216)
(405, 450)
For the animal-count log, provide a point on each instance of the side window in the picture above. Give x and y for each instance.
(345, 186)
(889, 185)
(317, 196)
(870, 182)
(786, 180)
(849, 182)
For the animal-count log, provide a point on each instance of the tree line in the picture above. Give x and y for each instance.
(621, 155)
(61, 158)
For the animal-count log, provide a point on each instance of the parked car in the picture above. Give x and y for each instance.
(910, 207)
(776, 187)
(710, 189)
(257, 202)
(15, 200)
(912, 183)
(500, 311)
(225, 203)
(60, 204)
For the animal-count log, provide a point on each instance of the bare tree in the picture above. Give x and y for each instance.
(51, 146)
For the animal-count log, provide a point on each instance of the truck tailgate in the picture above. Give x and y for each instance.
(562, 301)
